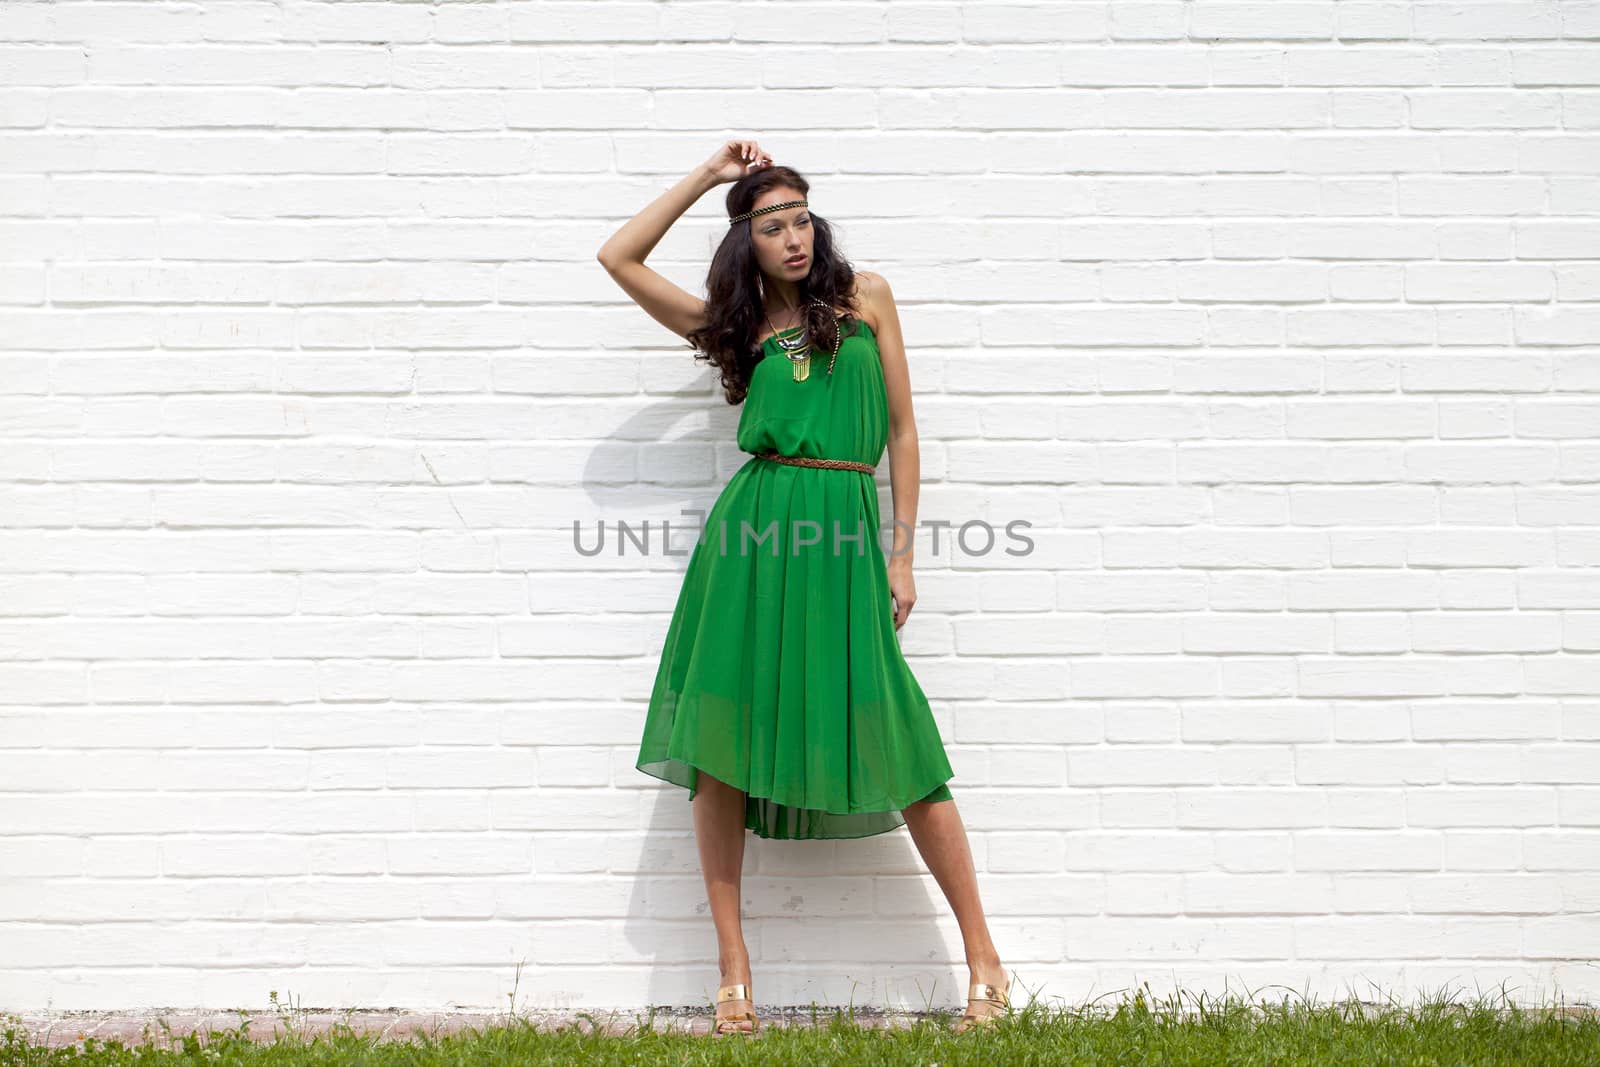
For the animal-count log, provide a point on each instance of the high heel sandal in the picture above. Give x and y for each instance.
(986, 993)
(735, 991)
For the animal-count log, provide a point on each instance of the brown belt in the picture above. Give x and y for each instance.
(807, 461)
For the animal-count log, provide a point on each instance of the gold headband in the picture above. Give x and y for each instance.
(764, 210)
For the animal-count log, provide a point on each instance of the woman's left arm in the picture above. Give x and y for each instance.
(905, 464)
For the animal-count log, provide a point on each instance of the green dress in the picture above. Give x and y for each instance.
(781, 673)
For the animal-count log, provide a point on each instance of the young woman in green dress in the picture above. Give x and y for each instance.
(782, 701)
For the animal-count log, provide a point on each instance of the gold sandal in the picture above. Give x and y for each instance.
(982, 991)
(736, 991)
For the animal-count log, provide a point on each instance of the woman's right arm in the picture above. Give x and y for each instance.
(624, 252)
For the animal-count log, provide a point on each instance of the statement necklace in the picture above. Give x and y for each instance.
(798, 349)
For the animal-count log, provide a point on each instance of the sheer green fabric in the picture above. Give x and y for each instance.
(781, 673)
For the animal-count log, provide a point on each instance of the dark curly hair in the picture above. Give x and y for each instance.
(735, 311)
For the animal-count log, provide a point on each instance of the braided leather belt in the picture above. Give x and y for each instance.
(807, 461)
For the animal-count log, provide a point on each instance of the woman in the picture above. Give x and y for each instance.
(782, 701)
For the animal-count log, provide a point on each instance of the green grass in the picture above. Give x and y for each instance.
(1184, 1030)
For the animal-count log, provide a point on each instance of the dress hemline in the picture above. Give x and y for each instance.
(754, 825)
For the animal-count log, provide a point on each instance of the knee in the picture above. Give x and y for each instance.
(712, 784)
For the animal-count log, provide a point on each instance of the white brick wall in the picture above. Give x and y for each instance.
(1280, 322)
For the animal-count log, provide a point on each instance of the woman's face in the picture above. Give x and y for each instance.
(779, 236)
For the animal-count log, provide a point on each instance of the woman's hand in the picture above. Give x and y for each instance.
(736, 159)
(902, 590)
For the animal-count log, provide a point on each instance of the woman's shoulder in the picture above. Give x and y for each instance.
(866, 289)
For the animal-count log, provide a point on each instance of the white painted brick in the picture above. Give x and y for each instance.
(1444, 21)
(1538, 239)
(361, 21)
(1374, 20)
(1131, 677)
(1557, 64)
(1486, 110)
(1248, 852)
(1352, 66)
(424, 67)
(1559, 936)
(1120, 853)
(24, 63)
(1248, 22)
(1468, 64)
(1241, 810)
(1580, 19)
(1367, 548)
(1346, 851)
(1481, 763)
(1247, 65)
(1368, 109)
(1477, 590)
(1480, 463)
(1579, 806)
(1363, 506)
(1149, 19)
(1415, 676)
(237, 63)
(1257, 632)
(1235, 894)
(1269, 677)
(1367, 632)
(1581, 632)
(1546, 851)
(1474, 374)
(1179, 939)
(1275, 321)
(1430, 283)
(1485, 195)
(470, 24)
(1091, 66)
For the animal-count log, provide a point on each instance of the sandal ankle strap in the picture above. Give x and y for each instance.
(987, 992)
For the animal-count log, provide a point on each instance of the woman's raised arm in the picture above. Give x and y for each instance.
(624, 252)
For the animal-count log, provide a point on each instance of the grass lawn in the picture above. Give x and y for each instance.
(1136, 1030)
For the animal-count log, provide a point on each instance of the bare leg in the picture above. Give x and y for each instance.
(719, 832)
(939, 834)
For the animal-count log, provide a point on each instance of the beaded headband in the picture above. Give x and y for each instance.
(764, 210)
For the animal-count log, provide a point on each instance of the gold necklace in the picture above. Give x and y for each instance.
(801, 363)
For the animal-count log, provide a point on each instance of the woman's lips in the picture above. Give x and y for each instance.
(796, 261)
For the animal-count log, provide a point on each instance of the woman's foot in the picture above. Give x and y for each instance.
(991, 973)
(730, 1013)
